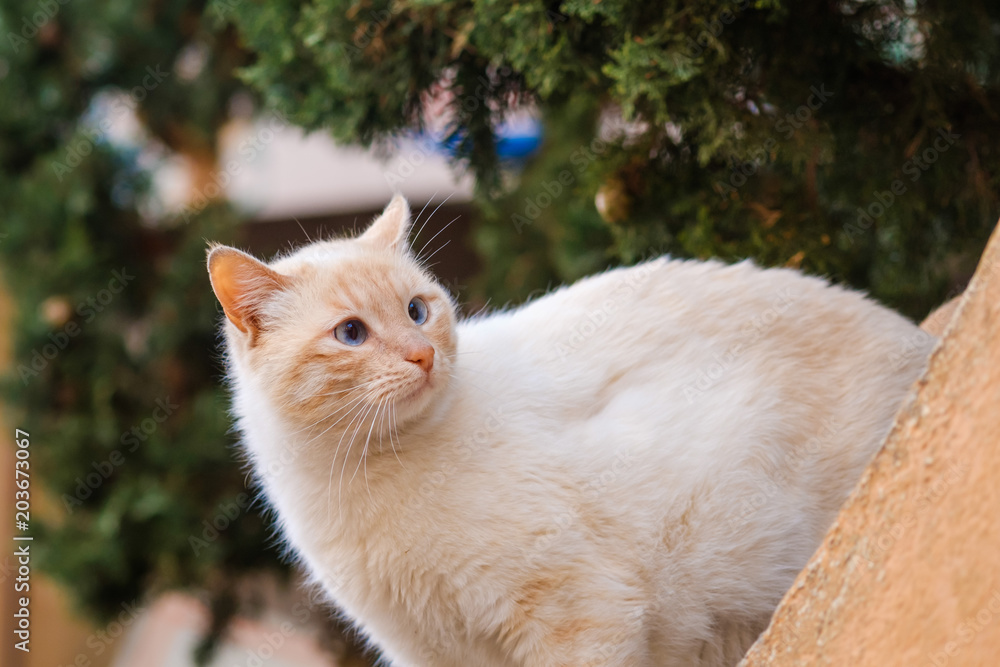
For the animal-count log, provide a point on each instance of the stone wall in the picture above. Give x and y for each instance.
(909, 574)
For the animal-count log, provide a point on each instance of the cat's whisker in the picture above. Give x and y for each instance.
(481, 310)
(482, 372)
(445, 201)
(353, 402)
(357, 429)
(417, 219)
(324, 418)
(392, 428)
(333, 460)
(354, 388)
(381, 423)
(431, 239)
(384, 433)
(473, 385)
(364, 452)
(328, 428)
(329, 487)
(302, 228)
(359, 401)
(347, 454)
(424, 261)
(350, 403)
(309, 426)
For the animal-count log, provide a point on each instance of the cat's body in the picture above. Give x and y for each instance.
(627, 472)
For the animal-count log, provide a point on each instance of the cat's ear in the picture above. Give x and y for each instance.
(242, 285)
(389, 231)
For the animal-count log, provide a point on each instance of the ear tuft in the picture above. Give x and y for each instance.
(389, 230)
(242, 284)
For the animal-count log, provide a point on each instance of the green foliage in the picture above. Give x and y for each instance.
(116, 370)
(755, 129)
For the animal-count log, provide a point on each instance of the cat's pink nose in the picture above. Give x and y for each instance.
(422, 355)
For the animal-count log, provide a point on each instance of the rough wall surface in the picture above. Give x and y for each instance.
(909, 574)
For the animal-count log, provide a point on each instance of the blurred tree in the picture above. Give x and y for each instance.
(116, 371)
(853, 139)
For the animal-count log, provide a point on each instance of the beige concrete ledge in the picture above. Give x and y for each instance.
(909, 574)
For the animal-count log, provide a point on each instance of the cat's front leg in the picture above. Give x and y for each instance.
(598, 637)
(577, 644)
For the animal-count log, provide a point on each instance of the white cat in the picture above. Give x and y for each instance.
(627, 472)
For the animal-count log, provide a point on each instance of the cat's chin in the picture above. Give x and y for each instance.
(415, 401)
(420, 391)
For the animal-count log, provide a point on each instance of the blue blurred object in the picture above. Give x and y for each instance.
(516, 139)
(519, 138)
(518, 147)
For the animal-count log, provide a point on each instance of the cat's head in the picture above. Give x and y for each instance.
(341, 333)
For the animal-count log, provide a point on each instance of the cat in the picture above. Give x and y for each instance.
(629, 471)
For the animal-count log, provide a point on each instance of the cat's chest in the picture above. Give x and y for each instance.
(416, 590)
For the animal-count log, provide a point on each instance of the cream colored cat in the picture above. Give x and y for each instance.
(627, 472)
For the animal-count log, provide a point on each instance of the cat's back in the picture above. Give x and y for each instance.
(705, 322)
(716, 364)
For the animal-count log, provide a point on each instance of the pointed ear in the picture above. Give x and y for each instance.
(389, 231)
(242, 285)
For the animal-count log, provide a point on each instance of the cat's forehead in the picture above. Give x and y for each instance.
(344, 275)
(347, 259)
(318, 254)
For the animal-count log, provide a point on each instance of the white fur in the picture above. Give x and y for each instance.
(627, 472)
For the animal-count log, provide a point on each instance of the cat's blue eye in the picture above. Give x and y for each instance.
(351, 332)
(417, 310)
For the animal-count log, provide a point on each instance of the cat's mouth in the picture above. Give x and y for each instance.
(416, 389)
